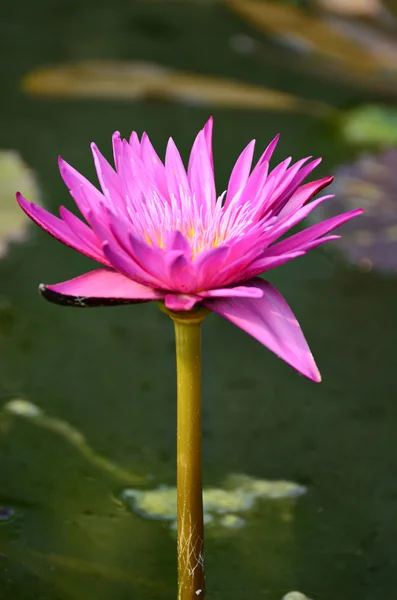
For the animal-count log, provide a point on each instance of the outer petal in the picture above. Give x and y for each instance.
(102, 287)
(269, 320)
(303, 194)
(58, 229)
(201, 175)
(175, 173)
(240, 173)
(208, 138)
(239, 291)
(302, 238)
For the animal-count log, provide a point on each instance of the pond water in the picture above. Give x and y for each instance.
(96, 389)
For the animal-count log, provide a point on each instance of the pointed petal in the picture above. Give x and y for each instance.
(125, 264)
(57, 228)
(176, 176)
(269, 320)
(86, 195)
(240, 172)
(117, 149)
(134, 142)
(154, 165)
(108, 178)
(208, 127)
(283, 194)
(201, 175)
(304, 194)
(268, 153)
(267, 263)
(84, 232)
(302, 238)
(102, 287)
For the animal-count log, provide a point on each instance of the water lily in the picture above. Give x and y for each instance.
(161, 232)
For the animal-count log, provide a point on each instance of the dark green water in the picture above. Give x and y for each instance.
(109, 373)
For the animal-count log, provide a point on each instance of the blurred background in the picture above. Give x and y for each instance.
(87, 398)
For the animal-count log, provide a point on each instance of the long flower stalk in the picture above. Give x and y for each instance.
(190, 544)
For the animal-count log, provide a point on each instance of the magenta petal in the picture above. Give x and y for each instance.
(58, 229)
(269, 320)
(266, 263)
(177, 181)
(240, 173)
(303, 194)
(208, 139)
(268, 153)
(239, 291)
(108, 178)
(105, 283)
(201, 175)
(125, 264)
(181, 302)
(299, 240)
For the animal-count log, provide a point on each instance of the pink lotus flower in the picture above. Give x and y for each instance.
(161, 233)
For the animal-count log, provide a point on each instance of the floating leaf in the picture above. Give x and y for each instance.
(14, 174)
(371, 125)
(138, 80)
(295, 596)
(341, 47)
(238, 495)
(370, 242)
(18, 407)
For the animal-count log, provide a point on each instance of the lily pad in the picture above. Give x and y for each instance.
(371, 124)
(370, 242)
(222, 506)
(136, 80)
(14, 175)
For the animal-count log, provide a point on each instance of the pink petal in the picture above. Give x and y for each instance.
(117, 149)
(108, 178)
(177, 180)
(304, 194)
(295, 183)
(268, 153)
(84, 232)
(240, 173)
(208, 139)
(154, 165)
(83, 192)
(105, 283)
(289, 221)
(201, 175)
(239, 291)
(134, 142)
(180, 272)
(269, 320)
(267, 263)
(300, 239)
(125, 264)
(58, 229)
(181, 302)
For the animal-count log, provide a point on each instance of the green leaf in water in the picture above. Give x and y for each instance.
(128, 81)
(371, 124)
(14, 175)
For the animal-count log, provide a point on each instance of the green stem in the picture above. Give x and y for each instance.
(191, 579)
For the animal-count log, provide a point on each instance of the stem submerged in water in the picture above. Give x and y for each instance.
(191, 579)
